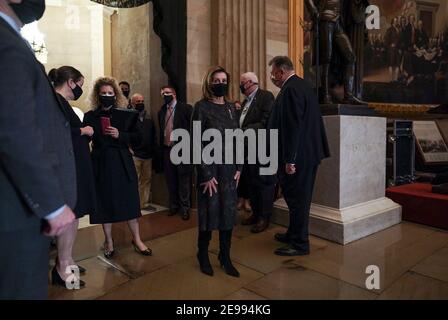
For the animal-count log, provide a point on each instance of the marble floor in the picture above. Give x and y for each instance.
(412, 259)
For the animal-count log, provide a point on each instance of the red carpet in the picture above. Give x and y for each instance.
(420, 205)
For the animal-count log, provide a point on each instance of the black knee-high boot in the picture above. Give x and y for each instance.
(225, 238)
(204, 261)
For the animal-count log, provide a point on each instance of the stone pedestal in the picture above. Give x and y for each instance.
(349, 197)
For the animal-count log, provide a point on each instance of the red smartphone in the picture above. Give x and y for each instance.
(105, 123)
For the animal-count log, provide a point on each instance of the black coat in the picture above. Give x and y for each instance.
(115, 175)
(297, 116)
(86, 202)
(260, 109)
(37, 165)
(146, 147)
(219, 211)
(182, 119)
(257, 118)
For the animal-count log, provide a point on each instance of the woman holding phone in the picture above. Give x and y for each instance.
(116, 178)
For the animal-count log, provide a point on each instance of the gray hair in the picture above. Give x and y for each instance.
(282, 62)
(250, 76)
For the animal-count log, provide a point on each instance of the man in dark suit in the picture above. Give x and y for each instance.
(37, 170)
(254, 115)
(175, 115)
(302, 146)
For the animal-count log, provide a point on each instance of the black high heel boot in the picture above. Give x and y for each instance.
(204, 261)
(225, 238)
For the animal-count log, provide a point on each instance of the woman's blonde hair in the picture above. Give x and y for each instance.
(207, 81)
(106, 81)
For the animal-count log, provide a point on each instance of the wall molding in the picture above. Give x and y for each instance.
(295, 35)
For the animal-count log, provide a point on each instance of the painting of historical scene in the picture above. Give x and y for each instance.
(407, 59)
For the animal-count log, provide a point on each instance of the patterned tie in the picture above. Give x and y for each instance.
(169, 125)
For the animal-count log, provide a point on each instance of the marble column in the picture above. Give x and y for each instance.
(239, 39)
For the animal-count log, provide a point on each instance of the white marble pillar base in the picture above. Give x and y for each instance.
(344, 226)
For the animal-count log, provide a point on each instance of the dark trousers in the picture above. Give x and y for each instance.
(243, 186)
(298, 193)
(261, 190)
(24, 259)
(179, 185)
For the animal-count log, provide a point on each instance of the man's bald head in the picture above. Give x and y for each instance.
(249, 76)
(137, 99)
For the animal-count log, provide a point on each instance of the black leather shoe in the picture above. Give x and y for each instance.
(146, 253)
(261, 226)
(108, 254)
(282, 237)
(249, 221)
(81, 270)
(56, 280)
(290, 251)
(186, 215)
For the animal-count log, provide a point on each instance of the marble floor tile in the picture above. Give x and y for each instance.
(166, 250)
(302, 284)
(394, 251)
(100, 278)
(257, 251)
(244, 294)
(184, 281)
(435, 266)
(413, 286)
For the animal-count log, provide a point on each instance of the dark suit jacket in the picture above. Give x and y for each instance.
(297, 116)
(37, 168)
(182, 119)
(259, 111)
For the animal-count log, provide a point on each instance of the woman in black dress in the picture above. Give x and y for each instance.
(115, 175)
(68, 84)
(217, 183)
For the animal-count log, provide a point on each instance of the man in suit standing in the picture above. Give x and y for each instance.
(37, 169)
(302, 146)
(143, 151)
(255, 113)
(175, 115)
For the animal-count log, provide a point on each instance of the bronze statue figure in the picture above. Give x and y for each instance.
(333, 39)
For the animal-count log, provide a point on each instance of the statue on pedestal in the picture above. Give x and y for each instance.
(330, 16)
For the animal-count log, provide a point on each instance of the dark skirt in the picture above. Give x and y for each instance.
(116, 186)
(219, 211)
(86, 195)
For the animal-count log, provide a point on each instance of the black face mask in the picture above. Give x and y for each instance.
(242, 88)
(220, 89)
(140, 107)
(126, 93)
(29, 10)
(107, 101)
(168, 99)
(77, 92)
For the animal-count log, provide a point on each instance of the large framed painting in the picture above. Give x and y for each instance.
(408, 56)
(405, 61)
(433, 148)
